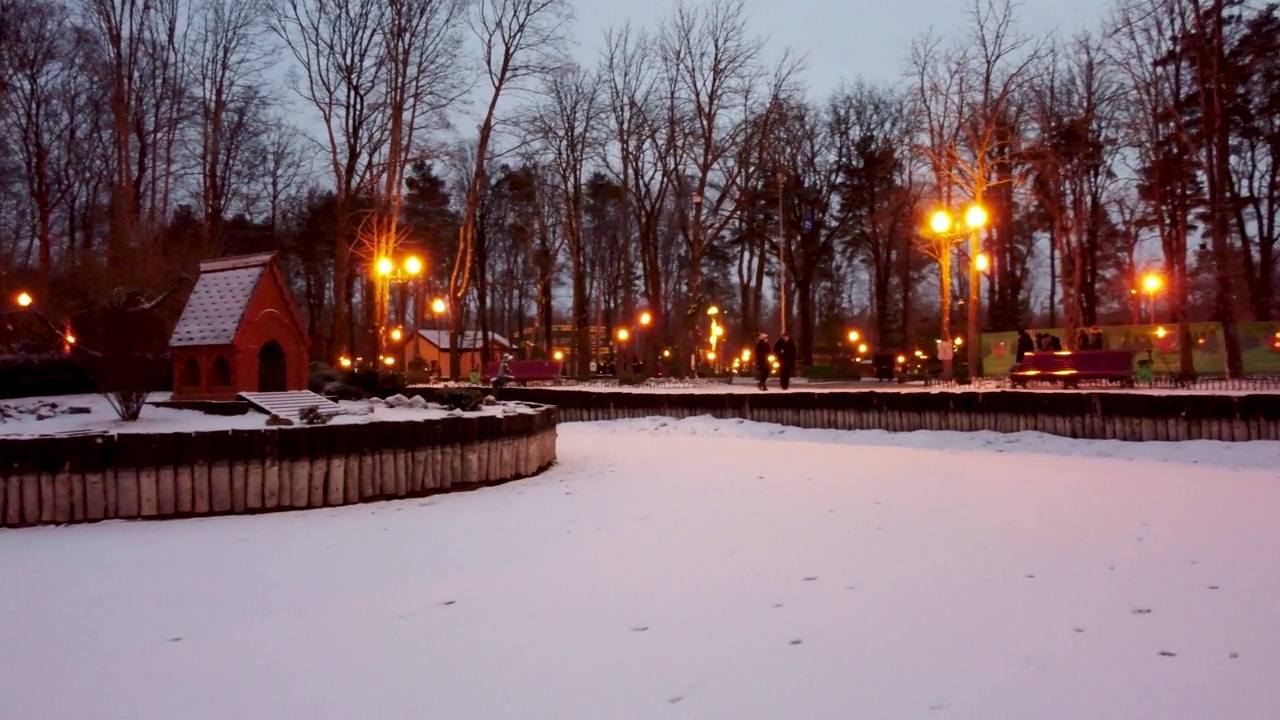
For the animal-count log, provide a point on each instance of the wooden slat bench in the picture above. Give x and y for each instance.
(291, 404)
(1069, 368)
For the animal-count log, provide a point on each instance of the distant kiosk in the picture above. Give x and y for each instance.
(240, 332)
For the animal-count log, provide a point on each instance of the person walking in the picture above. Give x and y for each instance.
(762, 362)
(785, 350)
(1025, 345)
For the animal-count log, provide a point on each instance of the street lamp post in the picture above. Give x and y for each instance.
(1152, 284)
(389, 272)
(782, 262)
(942, 224)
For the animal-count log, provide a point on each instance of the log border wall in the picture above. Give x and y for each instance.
(60, 480)
(1127, 416)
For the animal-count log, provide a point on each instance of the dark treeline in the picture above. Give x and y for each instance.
(688, 167)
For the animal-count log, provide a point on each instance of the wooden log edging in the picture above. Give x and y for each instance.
(171, 475)
(1127, 416)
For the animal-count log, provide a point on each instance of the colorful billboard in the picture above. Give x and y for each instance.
(1259, 342)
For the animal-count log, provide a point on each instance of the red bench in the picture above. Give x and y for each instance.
(1069, 368)
(525, 371)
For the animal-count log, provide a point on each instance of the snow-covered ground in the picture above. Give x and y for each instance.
(101, 417)
(695, 569)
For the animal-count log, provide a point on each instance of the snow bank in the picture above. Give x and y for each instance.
(698, 569)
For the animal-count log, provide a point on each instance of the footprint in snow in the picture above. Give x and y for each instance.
(675, 699)
(1141, 611)
(1166, 653)
(1031, 577)
(1233, 655)
(1214, 587)
(811, 578)
(640, 628)
(797, 641)
(175, 639)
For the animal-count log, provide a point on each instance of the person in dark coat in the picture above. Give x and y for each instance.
(1095, 338)
(1025, 345)
(785, 349)
(1082, 340)
(1055, 343)
(762, 362)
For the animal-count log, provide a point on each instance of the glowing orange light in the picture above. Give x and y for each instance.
(862, 348)
(1161, 332)
(437, 306)
(413, 266)
(975, 217)
(940, 222)
(645, 319)
(397, 334)
(388, 361)
(558, 356)
(384, 266)
(344, 362)
(902, 359)
(624, 334)
(854, 335)
(1152, 283)
(24, 300)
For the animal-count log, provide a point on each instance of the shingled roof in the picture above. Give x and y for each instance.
(218, 302)
(468, 341)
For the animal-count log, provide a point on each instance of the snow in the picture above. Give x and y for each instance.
(695, 569)
(101, 417)
(216, 306)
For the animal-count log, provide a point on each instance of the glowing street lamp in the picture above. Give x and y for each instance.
(413, 265)
(397, 334)
(437, 306)
(982, 263)
(1152, 284)
(975, 217)
(624, 334)
(388, 361)
(24, 300)
(344, 361)
(713, 310)
(646, 319)
(862, 349)
(558, 355)
(385, 266)
(854, 336)
(940, 222)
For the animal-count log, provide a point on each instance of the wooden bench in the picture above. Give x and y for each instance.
(1069, 368)
(526, 371)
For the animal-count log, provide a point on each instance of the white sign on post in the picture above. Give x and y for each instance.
(945, 351)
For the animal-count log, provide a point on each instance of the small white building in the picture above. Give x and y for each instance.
(433, 348)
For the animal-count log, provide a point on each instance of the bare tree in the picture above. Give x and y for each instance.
(33, 111)
(520, 40)
(967, 97)
(338, 45)
(227, 56)
(566, 125)
(715, 81)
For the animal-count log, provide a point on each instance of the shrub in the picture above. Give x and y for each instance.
(631, 379)
(376, 383)
(461, 398)
(346, 392)
(314, 416)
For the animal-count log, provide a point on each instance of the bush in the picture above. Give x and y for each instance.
(345, 392)
(322, 376)
(32, 376)
(632, 379)
(375, 383)
(461, 398)
(314, 416)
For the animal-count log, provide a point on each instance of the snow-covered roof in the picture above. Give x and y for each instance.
(469, 340)
(219, 300)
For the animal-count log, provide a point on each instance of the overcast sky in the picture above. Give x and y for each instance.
(842, 39)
